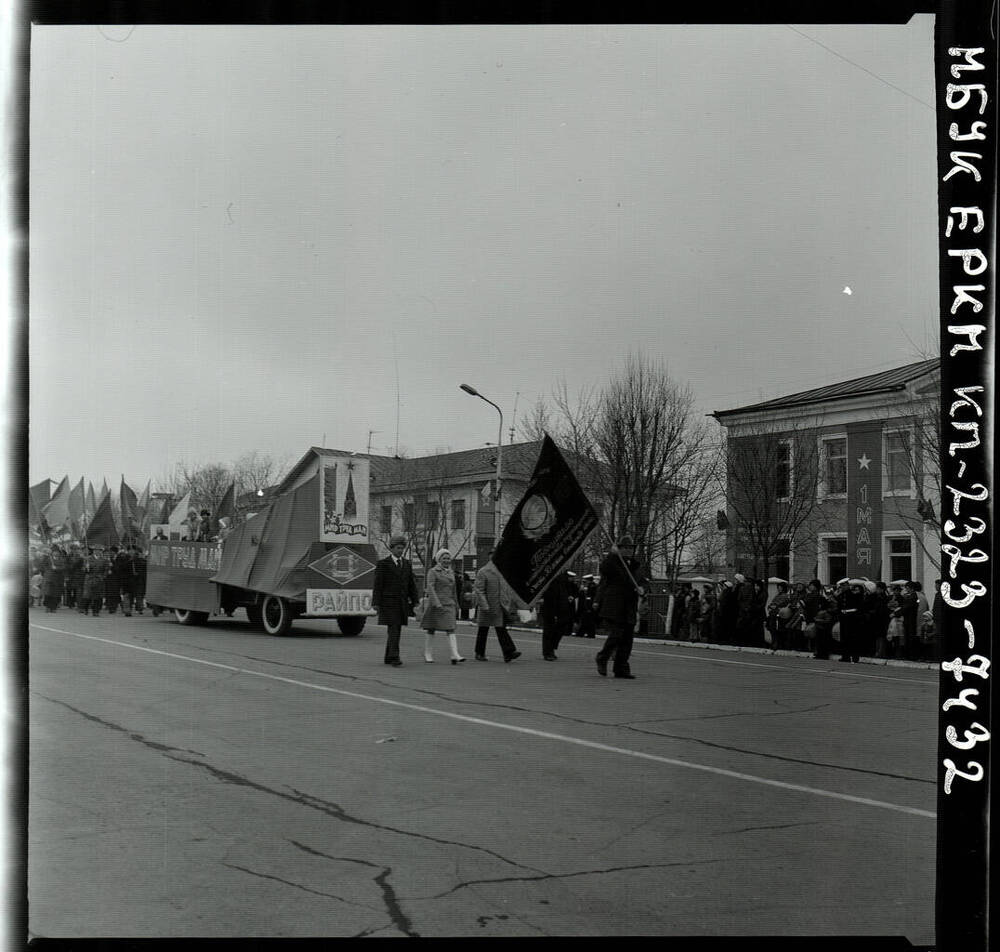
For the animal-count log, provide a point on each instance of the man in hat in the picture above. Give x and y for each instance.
(394, 595)
(622, 585)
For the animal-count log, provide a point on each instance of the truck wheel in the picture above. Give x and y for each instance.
(186, 616)
(351, 624)
(276, 615)
(254, 615)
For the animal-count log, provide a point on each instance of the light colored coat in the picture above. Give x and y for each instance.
(493, 595)
(442, 603)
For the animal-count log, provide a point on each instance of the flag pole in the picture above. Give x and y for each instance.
(621, 558)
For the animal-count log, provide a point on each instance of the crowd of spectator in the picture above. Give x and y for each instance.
(87, 578)
(855, 617)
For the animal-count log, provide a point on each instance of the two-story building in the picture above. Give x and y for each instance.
(841, 480)
(446, 500)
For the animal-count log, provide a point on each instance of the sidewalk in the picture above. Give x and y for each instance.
(744, 649)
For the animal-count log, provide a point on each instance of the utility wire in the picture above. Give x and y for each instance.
(859, 66)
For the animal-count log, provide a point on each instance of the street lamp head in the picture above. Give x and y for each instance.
(469, 389)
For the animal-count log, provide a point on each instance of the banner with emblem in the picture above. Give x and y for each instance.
(547, 527)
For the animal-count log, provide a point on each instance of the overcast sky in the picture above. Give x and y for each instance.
(261, 238)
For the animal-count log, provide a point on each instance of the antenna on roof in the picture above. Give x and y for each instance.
(370, 432)
(513, 417)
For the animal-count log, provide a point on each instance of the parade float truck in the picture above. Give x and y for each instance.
(306, 555)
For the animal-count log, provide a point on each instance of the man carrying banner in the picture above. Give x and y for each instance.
(622, 585)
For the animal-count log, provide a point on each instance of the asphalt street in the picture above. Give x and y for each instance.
(217, 781)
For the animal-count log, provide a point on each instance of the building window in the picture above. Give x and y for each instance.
(783, 471)
(900, 557)
(458, 514)
(409, 517)
(433, 514)
(898, 470)
(783, 559)
(385, 520)
(835, 466)
(834, 558)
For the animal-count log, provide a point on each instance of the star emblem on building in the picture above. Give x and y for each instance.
(863, 461)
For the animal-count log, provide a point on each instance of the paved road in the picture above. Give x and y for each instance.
(218, 781)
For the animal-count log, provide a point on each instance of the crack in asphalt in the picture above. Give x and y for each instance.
(792, 760)
(396, 914)
(334, 810)
(753, 829)
(297, 797)
(288, 882)
(583, 872)
(716, 717)
(151, 744)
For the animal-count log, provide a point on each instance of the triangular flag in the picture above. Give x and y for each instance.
(91, 504)
(102, 529)
(129, 504)
(41, 493)
(178, 515)
(56, 512)
(227, 508)
(77, 499)
(143, 504)
(104, 491)
(34, 516)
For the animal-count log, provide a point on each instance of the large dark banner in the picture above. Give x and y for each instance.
(966, 78)
(546, 528)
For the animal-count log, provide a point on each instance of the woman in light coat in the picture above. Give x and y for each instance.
(442, 606)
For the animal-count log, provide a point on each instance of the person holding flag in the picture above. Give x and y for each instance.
(622, 585)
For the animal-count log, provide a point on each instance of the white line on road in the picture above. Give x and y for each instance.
(594, 745)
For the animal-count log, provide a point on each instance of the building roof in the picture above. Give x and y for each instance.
(888, 381)
(389, 472)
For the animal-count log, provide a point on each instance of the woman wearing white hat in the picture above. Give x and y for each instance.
(442, 606)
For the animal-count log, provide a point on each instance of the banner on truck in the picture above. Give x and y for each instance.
(343, 494)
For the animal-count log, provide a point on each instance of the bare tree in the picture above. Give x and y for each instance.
(426, 515)
(918, 455)
(770, 482)
(640, 453)
(254, 473)
(207, 484)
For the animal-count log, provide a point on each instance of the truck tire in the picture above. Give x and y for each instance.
(254, 615)
(276, 615)
(351, 624)
(185, 616)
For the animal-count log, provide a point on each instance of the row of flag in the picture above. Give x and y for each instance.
(89, 517)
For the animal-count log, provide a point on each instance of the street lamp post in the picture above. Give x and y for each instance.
(496, 515)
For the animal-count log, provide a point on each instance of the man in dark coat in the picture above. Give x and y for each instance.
(586, 617)
(140, 579)
(129, 579)
(113, 580)
(394, 595)
(622, 585)
(557, 613)
(74, 575)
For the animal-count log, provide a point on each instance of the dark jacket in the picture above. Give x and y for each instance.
(617, 595)
(557, 602)
(394, 591)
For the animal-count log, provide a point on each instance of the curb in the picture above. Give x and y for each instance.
(742, 649)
